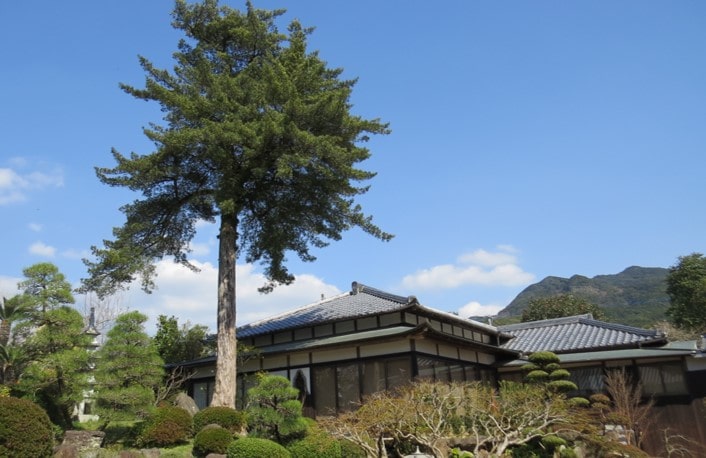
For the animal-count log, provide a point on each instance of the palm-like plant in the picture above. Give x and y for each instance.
(11, 357)
(11, 310)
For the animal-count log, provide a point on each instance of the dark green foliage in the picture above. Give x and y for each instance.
(686, 286)
(55, 375)
(253, 447)
(176, 344)
(43, 346)
(545, 308)
(226, 417)
(212, 440)
(562, 386)
(316, 444)
(637, 296)
(351, 450)
(45, 288)
(166, 426)
(274, 410)
(543, 367)
(128, 371)
(25, 430)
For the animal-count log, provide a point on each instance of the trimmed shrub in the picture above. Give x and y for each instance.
(212, 440)
(230, 419)
(25, 429)
(579, 402)
(167, 426)
(315, 445)
(562, 386)
(253, 447)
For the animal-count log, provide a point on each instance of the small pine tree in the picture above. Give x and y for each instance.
(128, 371)
(544, 367)
(274, 412)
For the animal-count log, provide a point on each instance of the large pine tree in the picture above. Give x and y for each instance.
(257, 135)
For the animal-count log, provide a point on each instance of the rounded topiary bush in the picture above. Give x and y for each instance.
(578, 401)
(25, 429)
(253, 447)
(212, 440)
(315, 445)
(167, 426)
(563, 386)
(230, 419)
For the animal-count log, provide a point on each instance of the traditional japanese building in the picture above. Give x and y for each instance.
(340, 349)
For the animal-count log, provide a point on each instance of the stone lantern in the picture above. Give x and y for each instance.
(418, 454)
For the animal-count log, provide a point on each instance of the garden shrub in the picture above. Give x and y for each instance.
(274, 410)
(212, 439)
(316, 444)
(351, 450)
(25, 429)
(167, 426)
(254, 447)
(230, 419)
(552, 442)
(579, 402)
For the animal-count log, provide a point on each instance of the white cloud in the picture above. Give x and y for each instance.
(11, 186)
(191, 296)
(35, 227)
(477, 268)
(42, 249)
(477, 309)
(486, 258)
(8, 286)
(14, 186)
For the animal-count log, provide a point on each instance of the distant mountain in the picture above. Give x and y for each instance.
(636, 296)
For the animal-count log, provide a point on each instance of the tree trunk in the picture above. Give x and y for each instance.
(5, 327)
(226, 350)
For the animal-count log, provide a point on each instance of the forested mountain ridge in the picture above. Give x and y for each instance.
(636, 296)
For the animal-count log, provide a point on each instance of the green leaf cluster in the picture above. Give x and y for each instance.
(255, 447)
(43, 347)
(128, 370)
(257, 132)
(25, 430)
(686, 286)
(562, 305)
(274, 410)
(179, 343)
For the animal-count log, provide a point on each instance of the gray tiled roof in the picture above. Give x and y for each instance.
(576, 334)
(360, 301)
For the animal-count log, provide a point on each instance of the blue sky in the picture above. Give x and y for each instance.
(528, 139)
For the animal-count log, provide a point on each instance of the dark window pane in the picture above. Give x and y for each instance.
(348, 386)
(373, 377)
(399, 372)
(324, 390)
(456, 373)
(425, 368)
